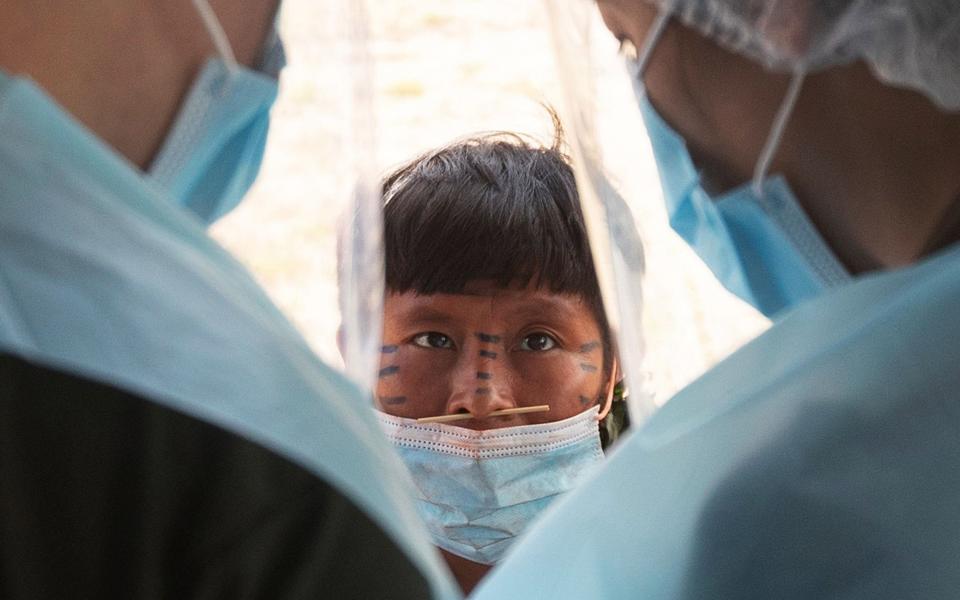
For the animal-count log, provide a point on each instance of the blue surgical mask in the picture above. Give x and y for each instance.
(478, 490)
(214, 149)
(760, 245)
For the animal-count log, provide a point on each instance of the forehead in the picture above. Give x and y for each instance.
(484, 302)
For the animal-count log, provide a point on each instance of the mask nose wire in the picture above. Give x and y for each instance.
(776, 130)
(217, 35)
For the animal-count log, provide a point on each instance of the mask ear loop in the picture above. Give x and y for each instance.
(608, 404)
(776, 131)
(653, 36)
(217, 34)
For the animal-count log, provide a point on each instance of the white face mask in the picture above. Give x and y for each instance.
(477, 490)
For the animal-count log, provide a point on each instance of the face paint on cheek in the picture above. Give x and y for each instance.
(393, 400)
(389, 349)
(588, 367)
(388, 371)
(589, 347)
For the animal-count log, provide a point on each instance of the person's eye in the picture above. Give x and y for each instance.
(538, 342)
(432, 339)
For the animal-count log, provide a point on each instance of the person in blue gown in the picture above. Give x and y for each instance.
(164, 430)
(808, 153)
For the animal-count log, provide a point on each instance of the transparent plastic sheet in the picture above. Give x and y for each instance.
(310, 227)
(614, 238)
(360, 270)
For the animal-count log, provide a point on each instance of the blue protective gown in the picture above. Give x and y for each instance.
(822, 460)
(104, 276)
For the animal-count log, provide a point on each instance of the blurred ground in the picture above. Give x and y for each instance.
(442, 70)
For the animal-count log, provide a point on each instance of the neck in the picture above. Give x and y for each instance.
(467, 573)
(875, 166)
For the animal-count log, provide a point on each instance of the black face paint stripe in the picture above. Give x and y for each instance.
(482, 391)
(484, 375)
(388, 349)
(488, 337)
(388, 371)
(588, 368)
(589, 346)
(584, 400)
(393, 400)
(488, 354)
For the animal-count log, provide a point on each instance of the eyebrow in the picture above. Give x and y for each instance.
(553, 308)
(424, 314)
(543, 307)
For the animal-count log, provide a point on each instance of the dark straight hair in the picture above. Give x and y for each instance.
(497, 207)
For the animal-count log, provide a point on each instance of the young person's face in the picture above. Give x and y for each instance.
(489, 349)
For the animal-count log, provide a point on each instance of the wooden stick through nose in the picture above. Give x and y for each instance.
(497, 413)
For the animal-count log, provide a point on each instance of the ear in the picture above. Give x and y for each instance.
(615, 376)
